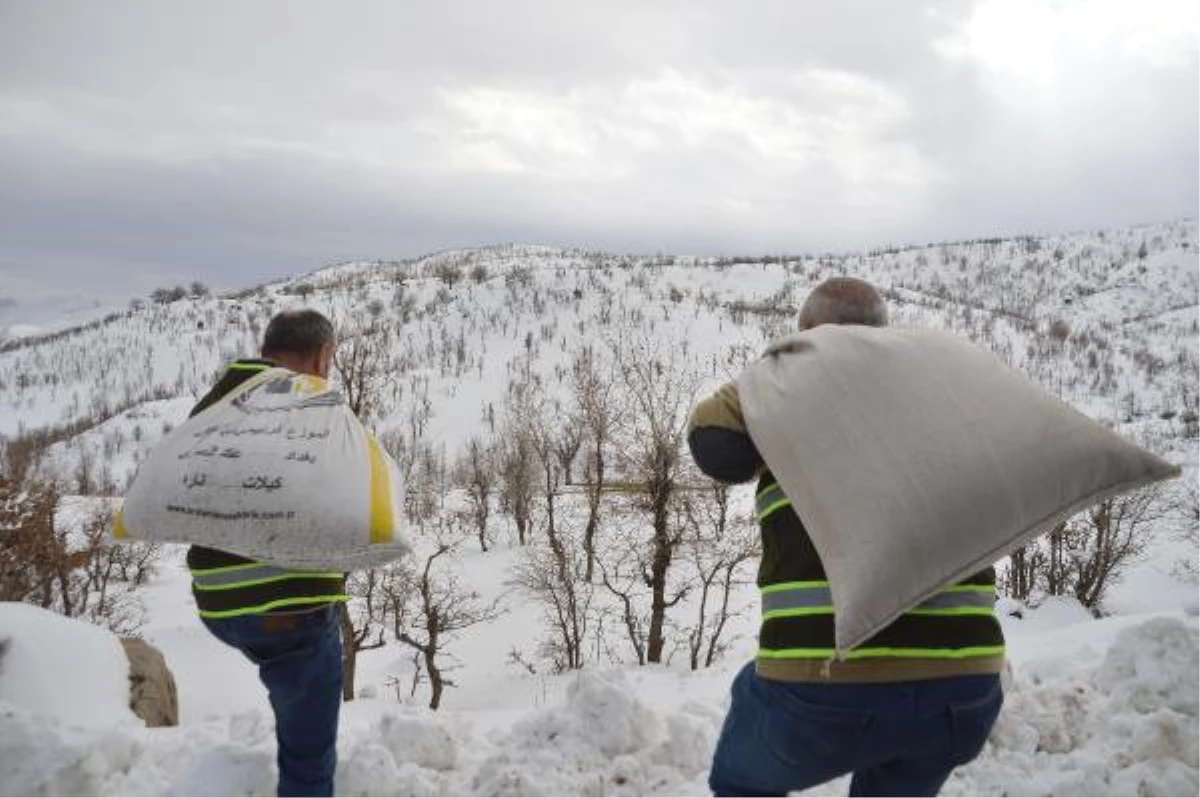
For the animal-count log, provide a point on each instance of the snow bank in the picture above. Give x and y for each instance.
(63, 668)
(49, 757)
(1124, 726)
(1123, 723)
(603, 741)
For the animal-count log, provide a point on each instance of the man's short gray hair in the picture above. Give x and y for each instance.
(300, 331)
(843, 300)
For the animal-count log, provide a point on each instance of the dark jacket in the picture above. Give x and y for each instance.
(227, 585)
(796, 638)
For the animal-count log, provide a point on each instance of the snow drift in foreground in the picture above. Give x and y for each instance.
(1122, 723)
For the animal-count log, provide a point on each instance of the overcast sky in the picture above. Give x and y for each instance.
(143, 144)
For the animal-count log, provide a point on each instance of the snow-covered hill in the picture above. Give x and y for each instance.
(23, 319)
(1129, 320)
(1107, 319)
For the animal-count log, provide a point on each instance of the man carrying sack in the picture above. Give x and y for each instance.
(285, 621)
(895, 467)
(921, 699)
(280, 490)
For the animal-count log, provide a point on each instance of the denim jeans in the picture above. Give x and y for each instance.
(900, 738)
(301, 667)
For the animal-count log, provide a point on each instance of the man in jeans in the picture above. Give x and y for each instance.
(903, 710)
(285, 622)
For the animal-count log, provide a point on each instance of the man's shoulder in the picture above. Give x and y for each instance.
(723, 409)
(234, 375)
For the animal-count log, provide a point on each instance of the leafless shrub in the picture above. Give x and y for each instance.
(361, 362)
(476, 473)
(594, 392)
(75, 573)
(35, 561)
(449, 272)
(1086, 555)
(1186, 514)
(659, 394)
(1059, 331)
(427, 605)
(622, 574)
(517, 475)
(552, 570)
(362, 623)
(136, 561)
(1021, 574)
(717, 546)
(551, 573)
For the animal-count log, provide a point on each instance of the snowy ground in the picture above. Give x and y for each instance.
(1103, 707)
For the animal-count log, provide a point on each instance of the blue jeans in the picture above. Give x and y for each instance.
(900, 738)
(299, 659)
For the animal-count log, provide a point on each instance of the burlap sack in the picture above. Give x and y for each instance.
(916, 459)
(279, 470)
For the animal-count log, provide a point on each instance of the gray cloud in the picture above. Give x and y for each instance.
(147, 143)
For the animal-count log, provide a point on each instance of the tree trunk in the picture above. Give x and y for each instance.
(593, 522)
(521, 516)
(435, 674)
(658, 576)
(349, 652)
(697, 638)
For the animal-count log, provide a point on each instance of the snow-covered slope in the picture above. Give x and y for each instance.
(458, 325)
(23, 319)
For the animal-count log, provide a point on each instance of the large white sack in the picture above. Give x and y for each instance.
(916, 459)
(278, 470)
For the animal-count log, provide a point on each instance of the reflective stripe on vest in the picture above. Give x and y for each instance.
(814, 598)
(872, 653)
(770, 499)
(796, 599)
(793, 599)
(232, 577)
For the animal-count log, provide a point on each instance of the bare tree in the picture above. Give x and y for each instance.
(1085, 555)
(137, 561)
(35, 561)
(1061, 542)
(1117, 533)
(362, 623)
(1186, 515)
(517, 475)
(566, 446)
(717, 546)
(595, 396)
(74, 572)
(361, 362)
(551, 574)
(660, 394)
(476, 472)
(426, 484)
(427, 605)
(622, 574)
(551, 571)
(101, 594)
(1019, 577)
